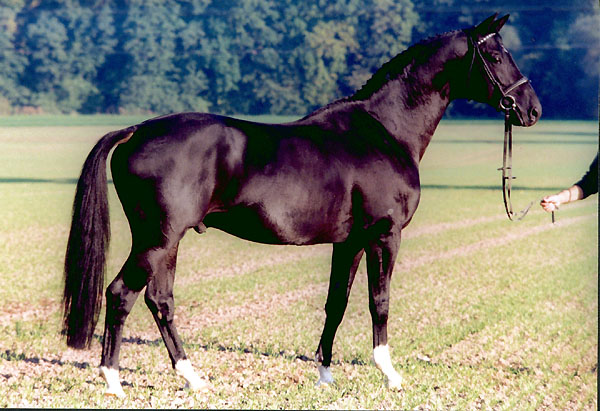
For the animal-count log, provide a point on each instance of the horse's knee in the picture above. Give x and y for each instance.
(335, 309)
(132, 278)
(160, 305)
(116, 293)
(379, 307)
(120, 298)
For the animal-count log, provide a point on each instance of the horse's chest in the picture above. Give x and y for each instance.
(389, 191)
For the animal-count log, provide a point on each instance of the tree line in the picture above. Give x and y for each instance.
(266, 56)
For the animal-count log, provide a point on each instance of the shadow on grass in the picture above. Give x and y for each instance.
(477, 187)
(23, 180)
(518, 141)
(271, 354)
(565, 133)
(10, 355)
(214, 346)
(19, 180)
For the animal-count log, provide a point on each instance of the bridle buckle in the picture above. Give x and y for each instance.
(508, 102)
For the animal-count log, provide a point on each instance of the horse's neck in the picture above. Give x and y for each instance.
(412, 105)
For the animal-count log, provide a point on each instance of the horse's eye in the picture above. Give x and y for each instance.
(493, 57)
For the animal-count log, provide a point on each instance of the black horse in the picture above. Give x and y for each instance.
(347, 174)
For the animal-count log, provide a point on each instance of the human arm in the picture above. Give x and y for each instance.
(585, 187)
(553, 202)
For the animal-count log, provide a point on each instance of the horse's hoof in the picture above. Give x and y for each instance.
(119, 393)
(395, 383)
(325, 377)
(114, 388)
(193, 381)
(198, 385)
(322, 383)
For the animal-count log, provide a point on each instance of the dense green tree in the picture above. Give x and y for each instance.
(66, 43)
(103, 38)
(385, 28)
(242, 51)
(12, 63)
(151, 32)
(161, 76)
(267, 56)
(45, 38)
(190, 56)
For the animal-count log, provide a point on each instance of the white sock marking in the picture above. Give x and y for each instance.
(111, 376)
(325, 376)
(193, 381)
(381, 356)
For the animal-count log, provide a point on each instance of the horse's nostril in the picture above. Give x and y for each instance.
(534, 113)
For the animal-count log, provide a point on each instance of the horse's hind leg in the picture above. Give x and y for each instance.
(159, 299)
(381, 255)
(120, 298)
(148, 257)
(344, 263)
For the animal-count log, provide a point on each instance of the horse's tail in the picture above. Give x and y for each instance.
(85, 259)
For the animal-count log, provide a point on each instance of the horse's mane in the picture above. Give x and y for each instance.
(399, 66)
(396, 67)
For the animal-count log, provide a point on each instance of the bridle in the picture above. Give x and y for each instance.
(507, 103)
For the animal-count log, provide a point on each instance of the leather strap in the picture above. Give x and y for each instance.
(507, 176)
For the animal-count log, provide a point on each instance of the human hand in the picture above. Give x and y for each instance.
(551, 203)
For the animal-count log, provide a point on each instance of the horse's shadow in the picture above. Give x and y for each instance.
(213, 346)
(11, 355)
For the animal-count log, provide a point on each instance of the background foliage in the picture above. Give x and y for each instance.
(266, 56)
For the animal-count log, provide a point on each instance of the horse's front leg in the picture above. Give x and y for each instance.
(381, 255)
(344, 262)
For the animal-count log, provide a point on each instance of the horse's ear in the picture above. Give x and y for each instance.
(497, 25)
(484, 27)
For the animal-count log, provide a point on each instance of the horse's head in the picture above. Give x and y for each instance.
(494, 78)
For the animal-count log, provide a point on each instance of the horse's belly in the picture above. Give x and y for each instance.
(280, 226)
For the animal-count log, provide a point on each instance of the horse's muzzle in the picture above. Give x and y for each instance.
(526, 117)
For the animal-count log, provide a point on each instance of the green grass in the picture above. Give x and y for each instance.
(485, 313)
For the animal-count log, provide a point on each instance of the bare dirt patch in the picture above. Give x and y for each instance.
(25, 311)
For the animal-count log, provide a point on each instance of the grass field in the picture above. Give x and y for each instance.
(485, 313)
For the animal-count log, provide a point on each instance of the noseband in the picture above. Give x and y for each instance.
(507, 103)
